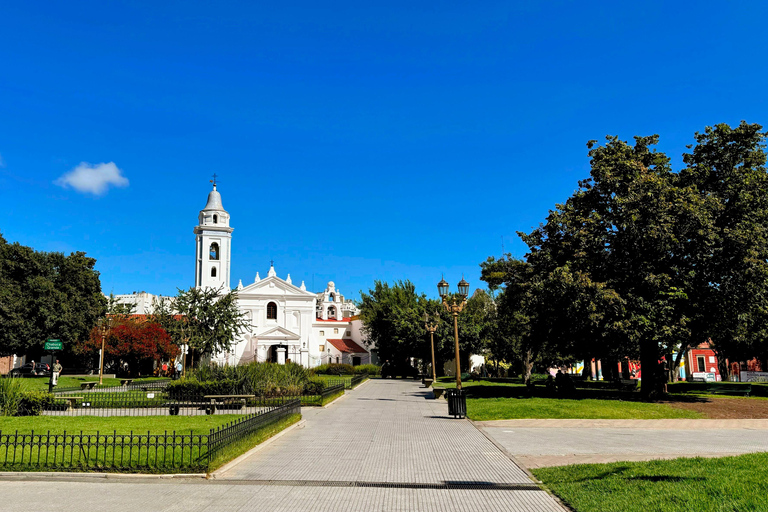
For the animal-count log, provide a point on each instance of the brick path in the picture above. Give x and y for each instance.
(383, 447)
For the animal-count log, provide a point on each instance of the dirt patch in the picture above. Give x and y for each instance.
(725, 408)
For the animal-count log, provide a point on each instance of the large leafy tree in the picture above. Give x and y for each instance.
(46, 295)
(635, 230)
(730, 289)
(207, 320)
(135, 343)
(393, 321)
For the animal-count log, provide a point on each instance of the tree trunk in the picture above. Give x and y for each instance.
(651, 386)
(527, 366)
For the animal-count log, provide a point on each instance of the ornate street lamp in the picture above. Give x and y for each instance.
(455, 307)
(105, 325)
(432, 327)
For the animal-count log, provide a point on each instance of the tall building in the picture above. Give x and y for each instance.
(285, 322)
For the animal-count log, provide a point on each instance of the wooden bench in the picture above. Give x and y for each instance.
(627, 384)
(427, 382)
(88, 385)
(71, 401)
(729, 389)
(126, 382)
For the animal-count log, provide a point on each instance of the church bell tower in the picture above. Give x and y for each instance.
(214, 242)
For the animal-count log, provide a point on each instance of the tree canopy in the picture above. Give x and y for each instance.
(46, 295)
(207, 320)
(644, 259)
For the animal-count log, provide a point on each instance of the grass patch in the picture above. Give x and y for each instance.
(200, 424)
(483, 409)
(65, 382)
(680, 485)
(330, 398)
(238, 448)
(488, 400)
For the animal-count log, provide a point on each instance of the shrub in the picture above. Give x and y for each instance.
(11, 395)
(370, 369)
(33, 402)
(314, 387)
(335, 369)
(262, 379)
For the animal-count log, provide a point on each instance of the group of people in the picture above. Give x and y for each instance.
(561, 384)
(169, 370)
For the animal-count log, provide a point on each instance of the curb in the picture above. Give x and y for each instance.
(229, 465)
(517, 463)
(64, 475)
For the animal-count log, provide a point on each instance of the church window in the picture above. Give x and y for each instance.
(331, 297)
(271, 311)
(322, 333)
(215, 219)
(335, 331)
(347, 334)
(337, 359)
(322, 348)
(213, 272)
(214, 254)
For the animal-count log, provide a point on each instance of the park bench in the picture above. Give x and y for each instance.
(211, 403)
(126, 382)
(721, 388)
(71, 401)
(627, 384)
(88, 385)
(427, 382)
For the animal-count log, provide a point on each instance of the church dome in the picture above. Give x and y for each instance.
(214, 200)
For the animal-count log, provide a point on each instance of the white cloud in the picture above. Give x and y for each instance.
(93, 178)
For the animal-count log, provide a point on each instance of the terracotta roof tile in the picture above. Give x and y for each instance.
(348, 346)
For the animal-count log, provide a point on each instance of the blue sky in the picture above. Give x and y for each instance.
(353, 141)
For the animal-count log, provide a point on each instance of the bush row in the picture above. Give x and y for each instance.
(347, 369)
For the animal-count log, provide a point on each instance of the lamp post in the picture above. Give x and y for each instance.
(455, 307)
(105, 324)
(432, 327)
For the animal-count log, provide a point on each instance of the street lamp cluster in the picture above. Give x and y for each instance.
(454, 304)
(105, 325)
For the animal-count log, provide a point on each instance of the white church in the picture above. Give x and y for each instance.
(287, 322)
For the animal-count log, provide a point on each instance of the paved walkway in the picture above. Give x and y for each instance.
(382, 447)
(539, 443)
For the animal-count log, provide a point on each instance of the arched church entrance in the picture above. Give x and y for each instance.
(274, 352)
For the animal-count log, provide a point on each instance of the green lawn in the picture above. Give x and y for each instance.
(483, 409)
(502, 401)
(726, 484)
(74, 382)
(200, 424)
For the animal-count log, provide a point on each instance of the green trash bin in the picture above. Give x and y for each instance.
(457, 402)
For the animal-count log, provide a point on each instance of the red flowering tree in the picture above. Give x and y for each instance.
(132, 343)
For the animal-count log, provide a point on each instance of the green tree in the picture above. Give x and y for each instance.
(46, 295)
(393, 320)
(730, 289)
(633, 230)
(206, 319)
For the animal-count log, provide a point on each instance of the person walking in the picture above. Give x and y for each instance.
(56, 371)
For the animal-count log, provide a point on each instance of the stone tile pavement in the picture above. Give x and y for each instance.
(539, 443)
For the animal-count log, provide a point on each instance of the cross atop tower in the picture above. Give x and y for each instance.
(214, 179)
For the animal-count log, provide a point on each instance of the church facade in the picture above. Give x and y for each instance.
(285, 321)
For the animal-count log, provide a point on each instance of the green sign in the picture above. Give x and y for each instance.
(54, 345)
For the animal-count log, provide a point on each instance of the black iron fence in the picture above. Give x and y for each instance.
(166, 452)
(92, 387)
(328, 393)
(348, 383)
(149, 403)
